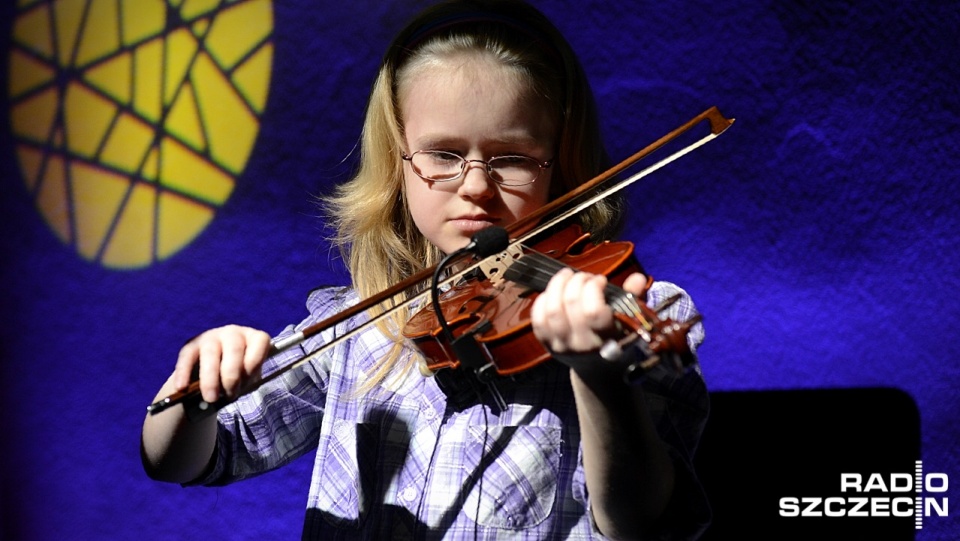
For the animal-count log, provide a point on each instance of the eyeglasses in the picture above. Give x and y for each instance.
(442, 166)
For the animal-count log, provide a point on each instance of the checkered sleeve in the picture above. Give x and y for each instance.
(280, 420)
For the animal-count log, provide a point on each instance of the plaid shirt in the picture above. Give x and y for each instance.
(410, 461)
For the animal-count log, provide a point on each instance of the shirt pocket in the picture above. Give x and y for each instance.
(511, 474)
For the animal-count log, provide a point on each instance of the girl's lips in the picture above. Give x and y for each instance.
(472, 224)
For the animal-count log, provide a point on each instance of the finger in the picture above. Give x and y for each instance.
(636, 284)
(573, 301)
(258, 345)
(188, 357)
(233, 345)
(587, 311)
(210, 354)
(547, 317)
(594, 310)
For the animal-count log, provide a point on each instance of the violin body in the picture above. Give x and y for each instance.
(497, 314)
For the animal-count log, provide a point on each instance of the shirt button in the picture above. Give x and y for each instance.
(409, 494)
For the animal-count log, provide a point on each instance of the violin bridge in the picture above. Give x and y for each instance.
(494, 266)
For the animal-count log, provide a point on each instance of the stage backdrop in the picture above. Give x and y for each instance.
(160, 163)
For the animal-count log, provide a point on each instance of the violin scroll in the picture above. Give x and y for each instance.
(665, 342)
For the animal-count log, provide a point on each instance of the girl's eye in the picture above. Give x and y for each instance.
(511, 160)
(442, 156)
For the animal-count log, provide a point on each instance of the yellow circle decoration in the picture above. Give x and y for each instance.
(133, 118)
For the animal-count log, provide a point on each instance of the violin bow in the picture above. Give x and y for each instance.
(197, 408)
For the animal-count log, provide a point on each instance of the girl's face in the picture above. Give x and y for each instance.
(478, 109)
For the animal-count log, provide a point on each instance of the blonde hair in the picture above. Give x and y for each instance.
(374, 230)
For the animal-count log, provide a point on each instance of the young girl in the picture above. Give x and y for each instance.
(480, 114)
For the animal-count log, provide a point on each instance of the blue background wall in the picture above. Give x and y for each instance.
(819, 237)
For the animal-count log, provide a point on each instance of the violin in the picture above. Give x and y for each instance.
(488, 300)
(494, 311)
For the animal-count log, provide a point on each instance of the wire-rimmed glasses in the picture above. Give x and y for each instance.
(443, 166)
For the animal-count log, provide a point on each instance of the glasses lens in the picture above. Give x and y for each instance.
(436, 164)
(514, 170)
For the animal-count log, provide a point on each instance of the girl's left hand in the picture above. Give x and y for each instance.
(572, 317)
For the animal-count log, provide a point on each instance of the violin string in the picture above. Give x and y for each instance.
(535, 269)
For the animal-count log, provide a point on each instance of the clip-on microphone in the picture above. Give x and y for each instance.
(483, 243)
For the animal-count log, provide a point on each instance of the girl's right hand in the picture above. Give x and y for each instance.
(230, 358)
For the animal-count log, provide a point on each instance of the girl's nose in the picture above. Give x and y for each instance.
(475, 182)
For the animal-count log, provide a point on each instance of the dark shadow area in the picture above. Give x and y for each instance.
(759, 447)
(382, 445)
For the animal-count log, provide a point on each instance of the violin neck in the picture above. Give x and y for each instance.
(534, 271)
